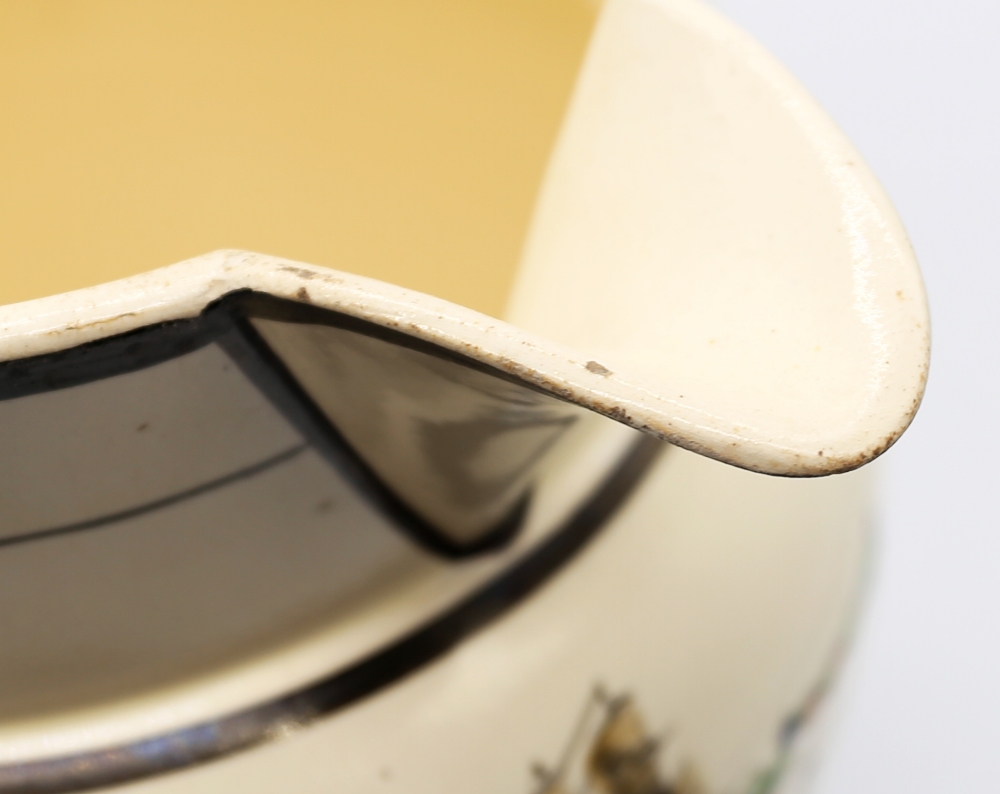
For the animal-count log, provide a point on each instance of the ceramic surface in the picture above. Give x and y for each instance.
(267, 524)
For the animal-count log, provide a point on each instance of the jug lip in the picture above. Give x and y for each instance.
(57, 323)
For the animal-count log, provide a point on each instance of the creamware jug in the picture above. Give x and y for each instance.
(318, 519)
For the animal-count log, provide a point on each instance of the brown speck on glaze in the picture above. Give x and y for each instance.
(615, 412)
(301, 272)
(142, 427)
(597, 368)
(303, 295)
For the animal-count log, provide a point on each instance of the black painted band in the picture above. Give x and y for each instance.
(158, 504)
(227, 323)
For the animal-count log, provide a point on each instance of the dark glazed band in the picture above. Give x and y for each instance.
(207, 741)
(227, 322)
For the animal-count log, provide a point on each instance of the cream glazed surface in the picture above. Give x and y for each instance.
(711, 263)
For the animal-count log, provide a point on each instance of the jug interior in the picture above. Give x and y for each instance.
(399, 140)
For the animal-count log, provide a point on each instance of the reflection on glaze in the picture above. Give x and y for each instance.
(458, 445)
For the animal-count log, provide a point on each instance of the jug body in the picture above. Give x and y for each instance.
(266, 524)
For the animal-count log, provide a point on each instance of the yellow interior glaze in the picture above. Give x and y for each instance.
(398, 139)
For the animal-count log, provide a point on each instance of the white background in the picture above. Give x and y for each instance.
(916, 86)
